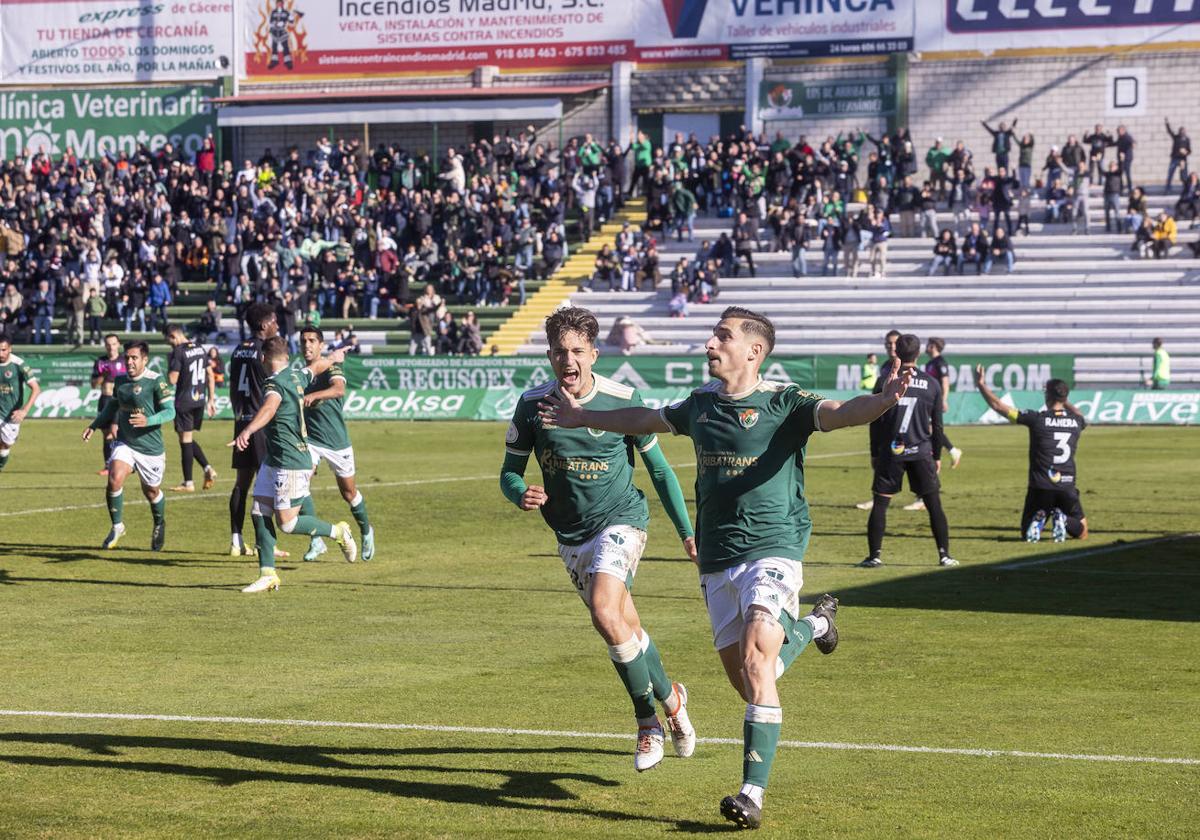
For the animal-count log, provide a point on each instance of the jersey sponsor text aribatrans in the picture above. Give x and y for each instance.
(587, 473)
(750, 500)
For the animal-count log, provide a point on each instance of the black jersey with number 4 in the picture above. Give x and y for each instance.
(246, 379)
(1053, 439)
(911, 429)
(190, 361)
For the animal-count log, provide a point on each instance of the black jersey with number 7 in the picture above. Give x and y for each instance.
(911, 429)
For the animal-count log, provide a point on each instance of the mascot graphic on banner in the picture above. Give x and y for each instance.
(280, 34)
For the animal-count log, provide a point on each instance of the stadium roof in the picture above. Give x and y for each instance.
(414, 104)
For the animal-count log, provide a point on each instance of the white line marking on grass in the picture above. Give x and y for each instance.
(1095, 552)
(607, 736)
(414, 482)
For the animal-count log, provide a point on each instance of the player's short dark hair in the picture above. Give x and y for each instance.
(112, 335)
(4, 339)
(274, 347)
(1156, 343)
(1057, 389)
(140, 346)
(258, 314)
(939, 343)
(753, 324)
(891, 334)
(572, 319)
(908, 347)
(173, 329)
(309, 329)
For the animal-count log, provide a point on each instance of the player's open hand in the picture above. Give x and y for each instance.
(337, 356)
(978, 376)
(559, 409)
(18, 415)
(896, 384)
(138, 421)
(534, 497)
(240, 442)
(310, 401)
(689, 547)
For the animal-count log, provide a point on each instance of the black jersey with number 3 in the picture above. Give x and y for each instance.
(911, 429)
(190, 361)
(246, 379)
(1053, 440)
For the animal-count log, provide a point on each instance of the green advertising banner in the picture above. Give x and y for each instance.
(437, 388)
(93, 122)
(831, 99)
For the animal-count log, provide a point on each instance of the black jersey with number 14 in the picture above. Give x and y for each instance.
(1053, 440)
(246, 379)
(190, 361)
(911, 429)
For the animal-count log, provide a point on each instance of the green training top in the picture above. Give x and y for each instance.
(587, 473)
(326, 425)
(287, 438)
(749, 470)
(149, 394)
(15, 375)
(1162, 366)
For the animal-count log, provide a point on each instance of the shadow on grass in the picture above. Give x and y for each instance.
(1147, 580)
(517, 788)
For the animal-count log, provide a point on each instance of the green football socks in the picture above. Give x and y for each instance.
(358, 508)
(158, 508)
(312, 526)
(658, 673)
(264, 538)
(631, 667)
(760, 733)
(116, 506)
(797, 634)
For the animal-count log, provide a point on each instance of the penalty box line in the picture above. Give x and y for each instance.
(609, 736)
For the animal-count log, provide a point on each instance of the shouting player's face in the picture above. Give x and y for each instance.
(311, 346)
(572, 357)
(135, 362)
(731, 349)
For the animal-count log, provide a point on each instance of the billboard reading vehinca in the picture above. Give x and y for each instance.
(92, 122)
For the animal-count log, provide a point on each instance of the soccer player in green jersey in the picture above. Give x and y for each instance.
(142, 402)
(329, 440)
(19, 390)
(281, 487)
(752, 519)
(599, 518)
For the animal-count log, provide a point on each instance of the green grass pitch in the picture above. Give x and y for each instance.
(466, 619)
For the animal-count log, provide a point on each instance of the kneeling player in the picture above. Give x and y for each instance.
(329, 441)
(19, 390)
(599, 519)
(141, 404)
(281, 486)
(1053, 440)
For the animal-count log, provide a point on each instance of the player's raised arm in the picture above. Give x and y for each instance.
(335, 357)
(563, 411)
(993, 402)
(862, 410)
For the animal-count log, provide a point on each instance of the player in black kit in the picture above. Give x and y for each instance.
(246, 379)
(907, 440)
(195, 391)
(1053, 441)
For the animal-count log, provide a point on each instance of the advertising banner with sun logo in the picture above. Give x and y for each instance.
(91, 41)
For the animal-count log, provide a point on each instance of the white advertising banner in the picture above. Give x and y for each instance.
(118, 41)
(991, 25)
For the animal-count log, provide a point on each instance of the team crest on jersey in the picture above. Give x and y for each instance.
(511, 436)
(703, 418)
(8, 374)
(897, 447)
(596, 433)
(748, 418)
(1054, 475)
(137, 389)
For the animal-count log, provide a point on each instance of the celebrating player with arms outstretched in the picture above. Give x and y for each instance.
(141, 404)
(19, 390)
(1053, 441)
(599, 518)
(281, 486)
(329, 440)
(195, 390)
(752, 518)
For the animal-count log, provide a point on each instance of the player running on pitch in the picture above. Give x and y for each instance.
(19, 390)
(1053, 441)
(281, 487)
(141, 404)
(329, 440)
(908, 440)
(195, 392)
(599, 518)
(246, 380)
(752, 518)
